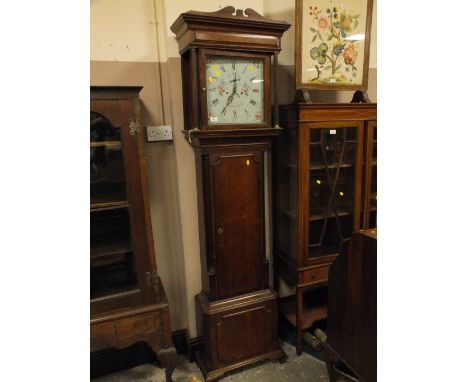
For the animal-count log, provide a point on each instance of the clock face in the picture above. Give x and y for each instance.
(235, 90)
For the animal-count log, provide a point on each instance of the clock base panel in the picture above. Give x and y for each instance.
(237, 332)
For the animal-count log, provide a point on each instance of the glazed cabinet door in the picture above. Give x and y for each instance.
(121, 248)
(333, 174)
(237, 184)
(369, 209)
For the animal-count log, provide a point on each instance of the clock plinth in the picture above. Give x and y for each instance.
(237, 331)
(227, 90)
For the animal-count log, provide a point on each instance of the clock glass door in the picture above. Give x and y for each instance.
(235, 90)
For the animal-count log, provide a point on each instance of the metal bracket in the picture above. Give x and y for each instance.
(190, 134)
(134, 127)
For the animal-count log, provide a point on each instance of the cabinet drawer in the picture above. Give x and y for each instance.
(138, 325)
(315, 275)
(103, 335)
(104, 330)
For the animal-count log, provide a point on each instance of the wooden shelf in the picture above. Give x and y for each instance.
(96, 207)
(321, 216)
(333, 165)
(315, 308)
(318, 143)
(289, 166)
(112, 249)
(320, 166)
(317, 251)
(106, 144)
(288, 214)
(345, 239)
(309, 316)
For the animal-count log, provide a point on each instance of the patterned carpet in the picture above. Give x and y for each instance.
(295, 369)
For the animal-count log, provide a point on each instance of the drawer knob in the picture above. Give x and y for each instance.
(220, 230)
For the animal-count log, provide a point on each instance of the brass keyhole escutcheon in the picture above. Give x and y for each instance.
(220, 230)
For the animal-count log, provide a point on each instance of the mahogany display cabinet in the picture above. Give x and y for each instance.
(325, 164)
(128, 303)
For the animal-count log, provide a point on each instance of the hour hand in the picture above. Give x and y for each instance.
(235, 79)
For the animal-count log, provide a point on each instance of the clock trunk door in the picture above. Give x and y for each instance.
(239, 238)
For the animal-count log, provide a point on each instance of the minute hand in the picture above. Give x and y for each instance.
(231, 96)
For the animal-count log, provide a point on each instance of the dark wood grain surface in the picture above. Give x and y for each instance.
(352, 306)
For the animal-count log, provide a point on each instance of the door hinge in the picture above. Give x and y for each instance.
(152, 279)
(134, 127)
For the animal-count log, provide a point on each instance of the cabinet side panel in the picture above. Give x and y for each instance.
(205, 220)
(286, 196)
(187, 90)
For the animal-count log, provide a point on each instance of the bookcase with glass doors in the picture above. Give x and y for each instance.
(127, 299)
(325, 173)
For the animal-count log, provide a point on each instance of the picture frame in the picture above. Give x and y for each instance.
(332, 44)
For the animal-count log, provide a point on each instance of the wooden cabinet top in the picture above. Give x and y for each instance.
(228, 28)
(315, 112)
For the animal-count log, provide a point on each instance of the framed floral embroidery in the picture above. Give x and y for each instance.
(332, 44)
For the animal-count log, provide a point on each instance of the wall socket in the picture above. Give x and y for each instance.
(159, 133)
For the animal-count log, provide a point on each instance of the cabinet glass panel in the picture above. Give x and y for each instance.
(112, 261)
(331, 189)
(102, 129)
(373, 187)
(107, 172)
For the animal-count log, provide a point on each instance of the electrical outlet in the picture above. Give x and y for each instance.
(159, 133)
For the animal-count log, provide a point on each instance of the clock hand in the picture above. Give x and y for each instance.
(234, 92)
(229, 100)
(231, 96)
(234, 89)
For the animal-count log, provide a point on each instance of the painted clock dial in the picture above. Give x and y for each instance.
(235, 90)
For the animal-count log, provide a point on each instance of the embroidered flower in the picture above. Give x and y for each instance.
(322, 23)
(350, 54)
(346, 21)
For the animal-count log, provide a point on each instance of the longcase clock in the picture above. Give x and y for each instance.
(228, 79)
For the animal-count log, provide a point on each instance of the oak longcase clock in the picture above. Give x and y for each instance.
(229, 64)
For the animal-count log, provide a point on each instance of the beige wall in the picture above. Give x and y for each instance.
(131, 44)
